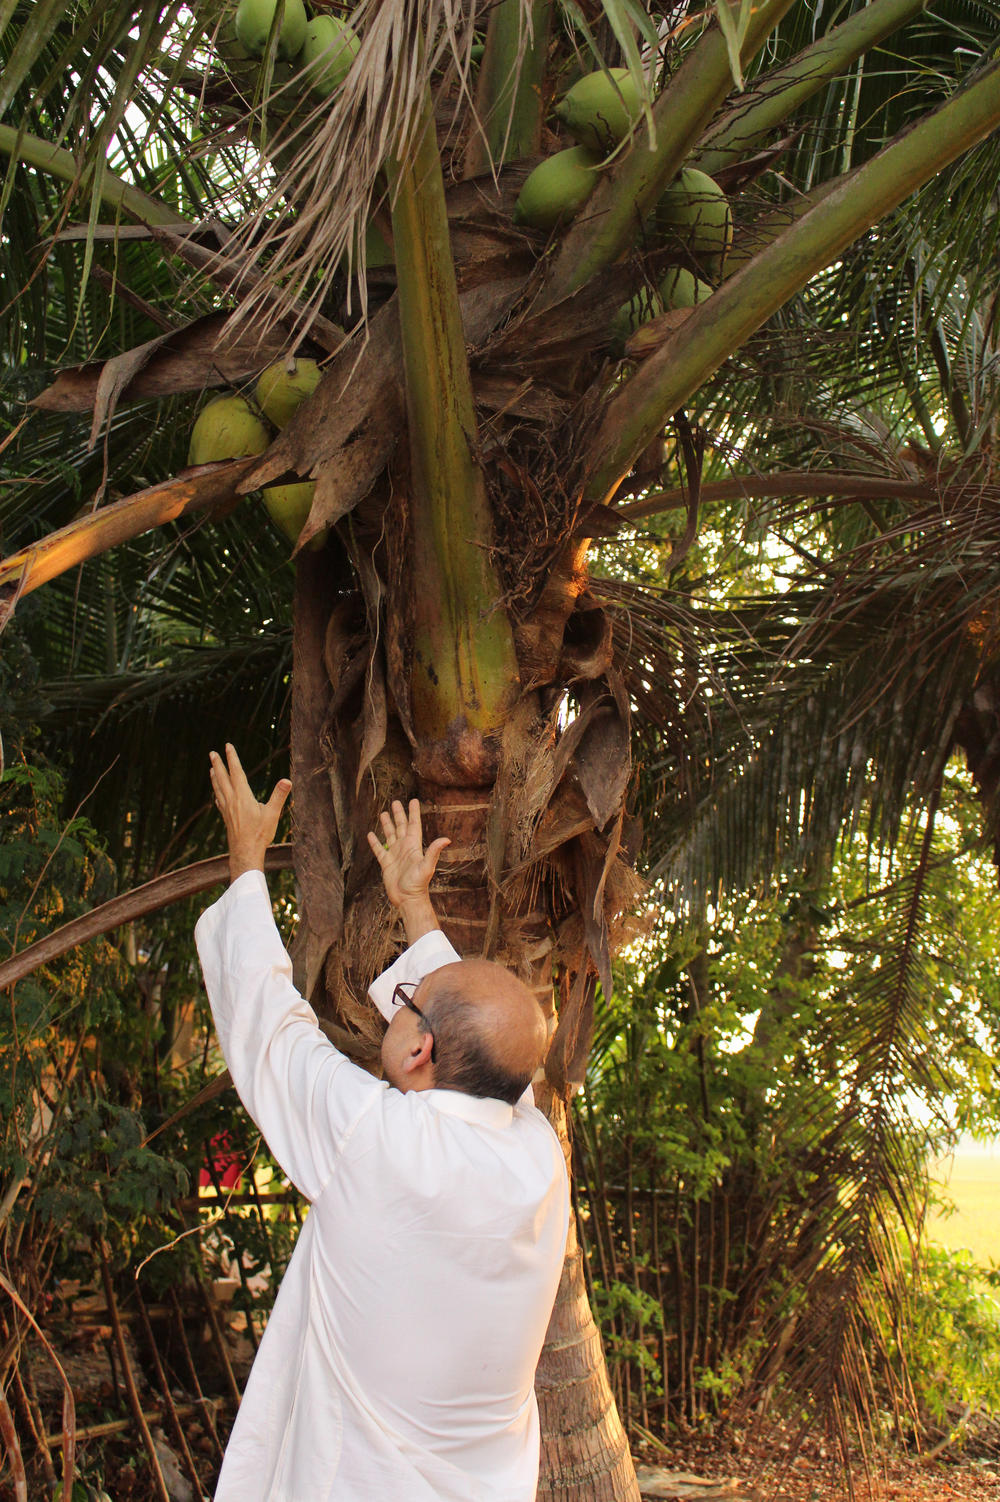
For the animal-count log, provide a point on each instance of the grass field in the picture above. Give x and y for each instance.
(971, 1180)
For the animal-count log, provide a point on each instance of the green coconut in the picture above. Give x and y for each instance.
(695, 211)
(557, 188)
(646, 304)
(281, 391)
(601, 108)
(288, 507)
(254, 19)
(329, 48)
(681, 289)
(226, 429)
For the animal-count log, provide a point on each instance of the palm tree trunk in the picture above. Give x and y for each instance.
(585, 1450)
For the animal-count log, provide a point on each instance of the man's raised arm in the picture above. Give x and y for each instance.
(250, 826)
(300, 1091)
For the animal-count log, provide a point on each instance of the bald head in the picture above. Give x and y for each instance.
(489, 1029)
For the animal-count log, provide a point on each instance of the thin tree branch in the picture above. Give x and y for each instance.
(803, 482)
(173, 886)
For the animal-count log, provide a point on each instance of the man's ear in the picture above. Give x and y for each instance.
(419, 1054)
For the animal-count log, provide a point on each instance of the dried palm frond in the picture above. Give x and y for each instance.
(337, 152)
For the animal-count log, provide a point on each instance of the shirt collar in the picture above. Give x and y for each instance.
(474, 1108)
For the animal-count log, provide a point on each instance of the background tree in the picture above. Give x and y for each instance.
(446, 638)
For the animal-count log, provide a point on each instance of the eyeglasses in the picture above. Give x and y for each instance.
(403, 997)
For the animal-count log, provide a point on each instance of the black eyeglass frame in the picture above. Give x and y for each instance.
(402, 998)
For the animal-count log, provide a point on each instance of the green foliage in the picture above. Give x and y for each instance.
(80, 1153)
(101, 1181)
(947, 1347)
(631, 1316)
(743, 1156)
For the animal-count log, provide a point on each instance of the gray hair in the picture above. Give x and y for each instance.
(464, 1061)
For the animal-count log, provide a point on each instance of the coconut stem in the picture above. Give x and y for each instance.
(509, 94)
(464, 668)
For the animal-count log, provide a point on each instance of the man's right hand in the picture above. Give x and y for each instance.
(250, 826)
(407, 868)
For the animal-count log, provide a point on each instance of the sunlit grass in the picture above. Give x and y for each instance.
(971, 1183)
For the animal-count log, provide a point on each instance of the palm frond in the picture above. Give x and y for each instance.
(791, 723)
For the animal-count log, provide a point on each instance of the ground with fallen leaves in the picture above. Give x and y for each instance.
(769, 1470)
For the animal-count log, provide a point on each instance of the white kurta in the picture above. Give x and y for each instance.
(398, 1360)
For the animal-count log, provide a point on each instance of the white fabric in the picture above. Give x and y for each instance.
(398, 1360)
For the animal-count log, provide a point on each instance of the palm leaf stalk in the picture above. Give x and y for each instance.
(151, 897)
(509, 92)
(744, 303)
(465, 671)
(92, 535)
(778, 94)
(113, 191)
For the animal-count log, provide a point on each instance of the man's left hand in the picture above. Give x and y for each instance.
(250, 826)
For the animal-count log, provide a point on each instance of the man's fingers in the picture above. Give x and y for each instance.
(388, 828)
(218, 777)
(378, 849)
(435, 847)
(236, 773)
(414, 821)
(276, 802)
(399, 815)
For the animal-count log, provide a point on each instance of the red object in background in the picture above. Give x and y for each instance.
(228, 1167)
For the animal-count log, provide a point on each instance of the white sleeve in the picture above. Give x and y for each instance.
(428, 953)
(304, 1095)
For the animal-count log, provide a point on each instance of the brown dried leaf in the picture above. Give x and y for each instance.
(203, 355)
(572, 736)
(603, 762)
(566, 816)
(515, 396)
(566, 1060)
(318, 864)
(558, 333)
(589, 872)
(375, 716)
(115, 376)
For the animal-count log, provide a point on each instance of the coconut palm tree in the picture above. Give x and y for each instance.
(488, 398)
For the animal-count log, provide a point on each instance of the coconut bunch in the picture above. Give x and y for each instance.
(692, 220)
(235, 427)
(323, 47)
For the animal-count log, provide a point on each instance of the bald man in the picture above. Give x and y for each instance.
(399, 1358)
